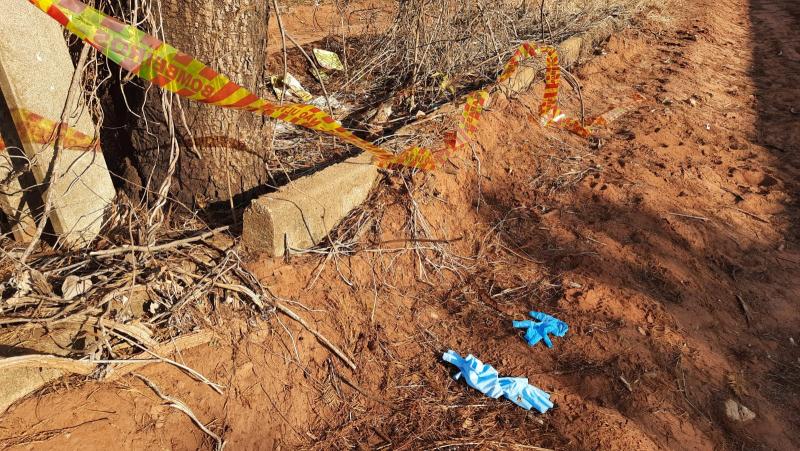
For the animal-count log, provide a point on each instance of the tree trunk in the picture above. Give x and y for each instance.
(223, 153)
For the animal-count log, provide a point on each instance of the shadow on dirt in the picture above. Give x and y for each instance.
(648, 280)
(776, 74)
(666, 301)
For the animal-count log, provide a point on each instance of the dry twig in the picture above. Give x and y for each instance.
(219, 443)
(157, 248)
(54, 171)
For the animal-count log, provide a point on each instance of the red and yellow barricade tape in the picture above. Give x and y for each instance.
(33, 128)
(175, 71)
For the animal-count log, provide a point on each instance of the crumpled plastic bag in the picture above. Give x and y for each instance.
(538, 330)
(292, 84)
(328, 60)
(484, 378)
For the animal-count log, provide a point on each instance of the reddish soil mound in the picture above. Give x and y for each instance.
(671, 247)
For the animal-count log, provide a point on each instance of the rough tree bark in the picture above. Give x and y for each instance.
(229, 152)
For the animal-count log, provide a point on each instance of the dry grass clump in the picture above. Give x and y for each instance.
(784, 377)
(443, 418)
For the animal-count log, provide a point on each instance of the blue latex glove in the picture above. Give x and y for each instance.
(521, 393)
(538, 330)
(483, 377)
(480, 376)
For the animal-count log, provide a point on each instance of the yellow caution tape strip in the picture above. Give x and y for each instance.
(35, 129)
(175, 71)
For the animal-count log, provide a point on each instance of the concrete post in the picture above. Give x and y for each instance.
(35, 75)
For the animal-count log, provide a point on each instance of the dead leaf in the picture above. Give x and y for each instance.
(40, 283)
(75, 286)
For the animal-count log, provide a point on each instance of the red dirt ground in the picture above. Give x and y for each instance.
(656, 246)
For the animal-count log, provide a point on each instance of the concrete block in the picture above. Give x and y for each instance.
(570, 52)
(303, 212)
(35, 75)
(16, 383)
